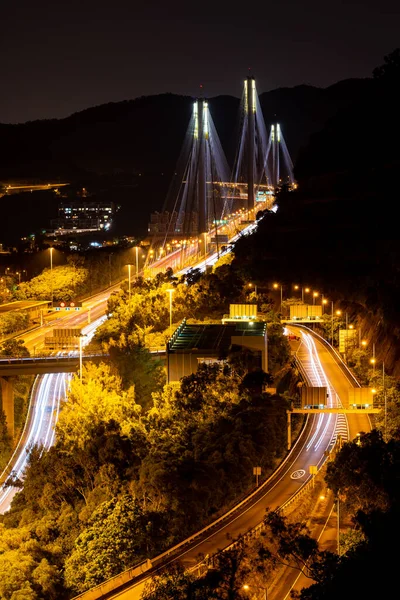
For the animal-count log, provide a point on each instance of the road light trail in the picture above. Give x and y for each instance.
(48, 393)
(320, 380)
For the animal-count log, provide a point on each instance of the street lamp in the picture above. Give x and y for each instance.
(137, 261)
(297, 287)
(332, 323)
(276, 286)
(315, 295)
(170, 291)
(129, 281)
(256, 587)
(250, 285)
(51, 274)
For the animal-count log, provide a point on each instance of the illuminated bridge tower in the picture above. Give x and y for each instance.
(250, 107)
(195, 199)
(250, 178)
(281, 172)
(275, 141)
(201, 138)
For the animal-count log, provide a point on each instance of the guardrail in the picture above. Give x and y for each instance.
(254, 532)
(8, 468)
(118, 580)
(333, 351)
(21, 360)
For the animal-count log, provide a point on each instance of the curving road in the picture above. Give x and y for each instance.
(322, 366)
(47, 393)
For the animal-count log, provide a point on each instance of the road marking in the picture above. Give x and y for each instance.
(298, 474)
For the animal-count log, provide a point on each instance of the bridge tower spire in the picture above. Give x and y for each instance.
(201, 114)
(275, 143)
(250, 107)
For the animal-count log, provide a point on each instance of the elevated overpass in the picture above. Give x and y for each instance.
(48, 364)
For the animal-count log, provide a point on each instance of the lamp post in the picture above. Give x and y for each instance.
(297, 287)
(338, 313)
(276, 286)
(170, 291)
(137, 261)
(257, 587)
(315, 295)
(250, 285)
(129, 281)
(373, 359)
(51, 274)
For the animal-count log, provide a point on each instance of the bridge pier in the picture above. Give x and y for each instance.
(7, 402)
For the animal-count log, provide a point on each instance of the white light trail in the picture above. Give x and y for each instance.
(320, 380)
(48, 393)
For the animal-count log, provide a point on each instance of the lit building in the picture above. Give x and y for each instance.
(82, 216)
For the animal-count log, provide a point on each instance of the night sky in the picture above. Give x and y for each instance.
(58, 57)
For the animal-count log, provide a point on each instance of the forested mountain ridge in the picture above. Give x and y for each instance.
(127, 151)
(146, 134)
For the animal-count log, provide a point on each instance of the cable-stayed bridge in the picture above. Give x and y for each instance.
(208, 203)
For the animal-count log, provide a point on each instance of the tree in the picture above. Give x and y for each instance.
(278, 348)
(364, 473)
(390, 71)
(25, 572)
(224, 581)
(66, 283)
(118, 535)
(255, 381)
(97, 398)
(5, 441)
(15, 348)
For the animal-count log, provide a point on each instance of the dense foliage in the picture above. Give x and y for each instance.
(135, 459)
(138, 464)
(368, 495)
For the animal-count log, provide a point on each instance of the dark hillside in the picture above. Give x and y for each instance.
(339, 231)
(127, 151)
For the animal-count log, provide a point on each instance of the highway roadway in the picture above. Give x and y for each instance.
(319, 435)
(47, 394)
(92, 309)
(323, 367)
(49, 390)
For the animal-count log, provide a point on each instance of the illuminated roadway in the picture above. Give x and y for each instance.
(318, 436)
(50, 389)
(47, 394)
(323, 368)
